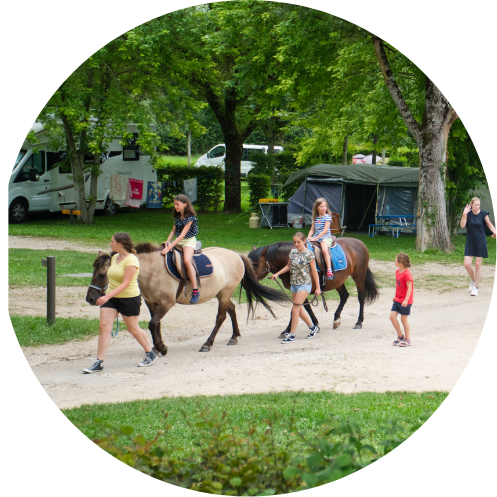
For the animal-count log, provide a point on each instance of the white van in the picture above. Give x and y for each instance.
(216, 155)
(39, 182)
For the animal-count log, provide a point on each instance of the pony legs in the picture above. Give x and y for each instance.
(344, 295)
(157, 312)
(225, 305)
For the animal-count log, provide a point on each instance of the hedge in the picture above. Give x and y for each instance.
(209, 184)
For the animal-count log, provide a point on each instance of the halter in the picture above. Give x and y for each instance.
(266, 271)
(99, 288)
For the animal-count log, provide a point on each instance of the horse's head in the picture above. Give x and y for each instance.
(99, 280)
(259, 261)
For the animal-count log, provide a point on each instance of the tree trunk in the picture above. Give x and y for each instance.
(93, 185)
(431, 138)
(375, 141)
(232, 181)
(432, 227)
(271, 136)
(345, 148)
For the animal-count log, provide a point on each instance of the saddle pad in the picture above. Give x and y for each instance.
(204, 266)
(337, 256)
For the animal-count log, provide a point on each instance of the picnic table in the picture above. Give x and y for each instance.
(393, 223)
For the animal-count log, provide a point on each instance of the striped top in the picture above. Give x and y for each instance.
(319, 233)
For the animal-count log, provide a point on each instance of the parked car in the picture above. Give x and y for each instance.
(216, 155)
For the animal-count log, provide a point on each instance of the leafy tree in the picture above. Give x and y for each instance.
(464, 172)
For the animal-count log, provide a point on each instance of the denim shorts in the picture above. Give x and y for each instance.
(299, 288)
(405, 311)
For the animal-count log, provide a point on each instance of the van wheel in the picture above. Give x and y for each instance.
(18, 211)
(110, 208)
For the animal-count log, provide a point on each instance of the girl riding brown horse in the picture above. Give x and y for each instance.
(272, 258)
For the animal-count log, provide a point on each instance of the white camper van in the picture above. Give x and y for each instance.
(40, 182)
(216, 155)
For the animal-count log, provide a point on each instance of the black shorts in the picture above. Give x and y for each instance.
(125, 306)
(405, 311)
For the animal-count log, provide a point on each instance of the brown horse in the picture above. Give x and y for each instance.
(272, 258)
(159, 289)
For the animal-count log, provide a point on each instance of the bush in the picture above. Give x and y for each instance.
(260, 187)
(230, 462)
(209, 183)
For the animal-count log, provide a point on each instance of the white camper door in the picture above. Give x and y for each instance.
(36, 190)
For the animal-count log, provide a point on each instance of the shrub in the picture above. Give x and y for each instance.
(260, 187)
(209, 183)
(229, 462)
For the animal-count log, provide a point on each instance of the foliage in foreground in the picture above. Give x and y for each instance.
(230, 461)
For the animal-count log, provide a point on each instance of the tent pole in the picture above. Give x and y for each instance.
(303, 208)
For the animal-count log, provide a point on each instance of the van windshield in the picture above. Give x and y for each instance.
(20, 155)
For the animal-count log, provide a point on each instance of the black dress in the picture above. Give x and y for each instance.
(476, 240)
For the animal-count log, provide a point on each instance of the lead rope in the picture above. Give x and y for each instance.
(315, 298)
(114, 334)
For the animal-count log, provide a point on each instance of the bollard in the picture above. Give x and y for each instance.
(49, 263)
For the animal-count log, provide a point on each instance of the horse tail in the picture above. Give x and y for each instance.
(370, 288)
(257, 292)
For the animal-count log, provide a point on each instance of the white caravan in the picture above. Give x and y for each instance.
(40, 183)
(216, 155)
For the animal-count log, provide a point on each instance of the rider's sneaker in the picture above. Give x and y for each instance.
(195, 297)
(149, 359)
(474, 292)
(289, 339)
(313, 331)
(329, 274)
(98, 366)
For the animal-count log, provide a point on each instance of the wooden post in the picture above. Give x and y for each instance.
(49, 263)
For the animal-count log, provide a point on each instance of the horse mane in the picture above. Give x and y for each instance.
(146, 248)
(255, 255)
(102, 259)
(272, 249)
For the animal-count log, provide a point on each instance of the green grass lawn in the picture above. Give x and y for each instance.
(369, 410)
(217, 229)
(34, 331)
(25, 267)
(178, 159)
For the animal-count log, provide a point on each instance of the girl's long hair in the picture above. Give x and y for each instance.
(126, 242)
(189, 210)
(317, 203)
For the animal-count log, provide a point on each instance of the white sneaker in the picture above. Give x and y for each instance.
(471, 285)
(474, 292)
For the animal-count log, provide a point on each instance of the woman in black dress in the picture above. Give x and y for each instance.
(474, 220)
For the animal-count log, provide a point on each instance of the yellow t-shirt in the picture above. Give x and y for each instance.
(116, 275)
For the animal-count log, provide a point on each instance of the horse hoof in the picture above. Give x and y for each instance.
(336, 324)
(161, 352)
(204, 348)
(232, 341)
(357, 327)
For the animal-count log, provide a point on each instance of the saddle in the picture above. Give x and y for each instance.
(176, 267)
(177, 259)
(320, 262)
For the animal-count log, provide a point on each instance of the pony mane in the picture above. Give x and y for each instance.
(102, 259)
(255, 254)
(273, 249)
(146, 248)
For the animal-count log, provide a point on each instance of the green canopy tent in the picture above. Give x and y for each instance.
(358, 192)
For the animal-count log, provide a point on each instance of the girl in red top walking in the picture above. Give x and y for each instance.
(404, 291)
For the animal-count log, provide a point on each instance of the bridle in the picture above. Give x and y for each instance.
(266, 271)
(99, 288)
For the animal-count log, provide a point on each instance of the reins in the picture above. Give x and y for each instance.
(315, 301)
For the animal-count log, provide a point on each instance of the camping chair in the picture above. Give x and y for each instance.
(335, 224)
